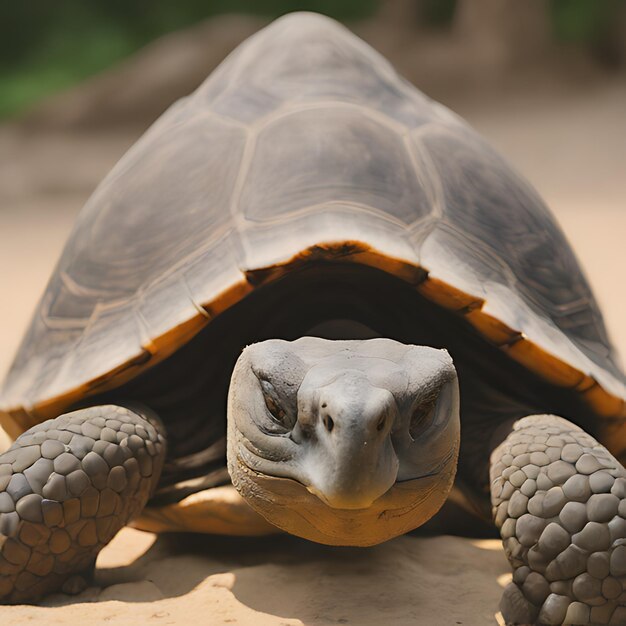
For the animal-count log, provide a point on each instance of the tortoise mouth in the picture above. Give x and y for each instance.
(413, 482)
(291, 506)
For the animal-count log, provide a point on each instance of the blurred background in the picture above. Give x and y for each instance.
(543, 80)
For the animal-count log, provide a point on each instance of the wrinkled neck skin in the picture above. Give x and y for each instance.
(343, 442)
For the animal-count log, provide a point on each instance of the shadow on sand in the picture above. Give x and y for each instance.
(435, 580)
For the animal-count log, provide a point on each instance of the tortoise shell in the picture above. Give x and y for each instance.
(304, 145)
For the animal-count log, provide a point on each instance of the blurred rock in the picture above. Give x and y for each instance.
(491, 46)
(504, 32)
(139, 89)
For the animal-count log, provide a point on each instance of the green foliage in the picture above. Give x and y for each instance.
(586, 21)
(49, 45)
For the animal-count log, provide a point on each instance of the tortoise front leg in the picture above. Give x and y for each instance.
(66, 487)
(559, 500)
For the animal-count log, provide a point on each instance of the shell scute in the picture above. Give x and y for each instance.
(170, 194)
(332, 154)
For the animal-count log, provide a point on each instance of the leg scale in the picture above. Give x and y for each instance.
(559, 500)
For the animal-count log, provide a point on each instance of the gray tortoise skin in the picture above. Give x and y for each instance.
(304, 149)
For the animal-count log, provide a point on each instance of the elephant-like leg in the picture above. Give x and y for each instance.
(559, 500)
(67, 486)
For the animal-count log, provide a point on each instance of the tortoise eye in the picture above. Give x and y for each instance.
(422, 418)
(277, 413)
(273, 405)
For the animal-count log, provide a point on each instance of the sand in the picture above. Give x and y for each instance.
(570, 141)
(283, 581)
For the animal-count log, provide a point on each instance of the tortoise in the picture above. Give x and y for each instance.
(368, 269)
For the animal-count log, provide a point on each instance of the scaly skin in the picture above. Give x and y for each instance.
(67, 486)
(559, 500)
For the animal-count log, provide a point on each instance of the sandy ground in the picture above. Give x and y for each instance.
(283, 582)
(570, 142)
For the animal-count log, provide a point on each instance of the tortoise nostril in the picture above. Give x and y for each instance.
(381, 423)
(329, 424)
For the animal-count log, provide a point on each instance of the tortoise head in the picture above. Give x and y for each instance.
(343, 442)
